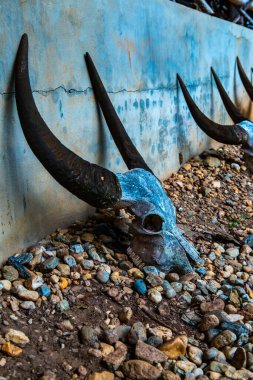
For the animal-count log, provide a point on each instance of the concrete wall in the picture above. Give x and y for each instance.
(138, 47)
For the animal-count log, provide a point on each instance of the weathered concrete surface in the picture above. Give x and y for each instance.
(138, 48)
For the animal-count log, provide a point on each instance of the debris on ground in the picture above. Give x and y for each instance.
(74, 306)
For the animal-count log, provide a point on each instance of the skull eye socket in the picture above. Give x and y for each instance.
(153, 223)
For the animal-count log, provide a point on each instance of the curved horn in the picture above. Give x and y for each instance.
(245, 80)
(232, 110)
(128, 151)
(225, 134)
(91, 183)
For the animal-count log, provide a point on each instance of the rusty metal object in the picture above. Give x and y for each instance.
(245, 80)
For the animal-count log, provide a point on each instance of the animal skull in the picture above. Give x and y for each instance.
(156, 238)
(241, 133)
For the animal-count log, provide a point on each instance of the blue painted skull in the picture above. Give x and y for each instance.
(156, 237)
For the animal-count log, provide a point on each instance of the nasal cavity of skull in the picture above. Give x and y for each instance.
(153, 223)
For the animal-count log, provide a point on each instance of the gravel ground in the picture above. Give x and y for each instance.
(74, 306)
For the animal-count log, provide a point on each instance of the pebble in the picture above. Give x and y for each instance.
(154, 295)
(103, 276)
(17, 337)
(126, 314)
(140, 286)
(209, 307)
(209, 321)
(106, 349)
(212, 161)
(10, 273)
(25, 294)
(11, 350)
(28, 305)
(77, 248)
(49, 264)
(63, 283)
(137, 332)
(161, 331)
(235, 166)
(117, 357)
(175, 347)
(239, 358)
(155, 340)
(233, 252)
(87, 264)
(65, 325)
(33, 283)
(69, 260)
(64, 269)
(88, 335)
(169, 290)
(184, 367)
(44, 291)
(195, 354)
(5, 284)
(62, 306)
(149, 353)
(226, 338)
(141, 370)
(153, 280)
(104, 375)
(112, 335)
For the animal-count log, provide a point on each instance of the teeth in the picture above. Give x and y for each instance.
(135, 258)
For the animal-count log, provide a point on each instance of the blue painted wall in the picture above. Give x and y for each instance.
(138, 47)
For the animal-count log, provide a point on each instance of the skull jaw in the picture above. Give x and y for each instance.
(153, 250)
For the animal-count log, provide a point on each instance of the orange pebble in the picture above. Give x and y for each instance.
(11, 350)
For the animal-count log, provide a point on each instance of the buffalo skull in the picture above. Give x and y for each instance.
(156, 240)
(241, 133)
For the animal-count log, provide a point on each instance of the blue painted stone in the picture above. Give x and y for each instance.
(22, 271)
(103, 276)
(77, 248)
(249, 241)
(24, 258)
(62, 239)
(150, 269)
(50, 264)
(63, 306)
(70, 260)
(201, 271)
(87, 264)
(44, 290)
(241, 331)
(140, 286)
(168, 289)
(92, 252)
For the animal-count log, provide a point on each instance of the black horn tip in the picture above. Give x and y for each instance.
(87, 58)
(22, 57)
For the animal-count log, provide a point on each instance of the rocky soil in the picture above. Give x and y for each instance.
(74, 306)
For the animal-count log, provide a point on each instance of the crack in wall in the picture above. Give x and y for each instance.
(75, 91)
